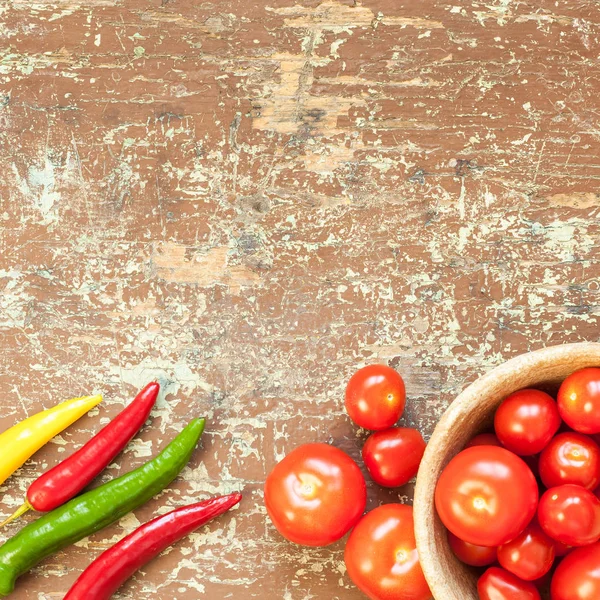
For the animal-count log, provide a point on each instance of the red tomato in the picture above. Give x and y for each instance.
(578, 575)
(579, 400)
(382, 558)
(570, 514)
(530, 555)
(315, 495)
(375, 397)
(484, 439)
(571, 458)
(476, 556)
(486, 496)
(526, 421)
(393, 456)
(498, 584)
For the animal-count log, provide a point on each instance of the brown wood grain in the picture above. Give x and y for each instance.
(249, 200)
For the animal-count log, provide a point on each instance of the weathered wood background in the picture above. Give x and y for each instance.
(250, 199)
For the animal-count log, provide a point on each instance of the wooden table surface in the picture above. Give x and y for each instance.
(247, 200)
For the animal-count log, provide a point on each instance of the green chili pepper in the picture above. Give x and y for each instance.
(95, 509)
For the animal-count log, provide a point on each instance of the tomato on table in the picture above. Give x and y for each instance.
(315, 495)
(579, 400)
(526, 421)
(470, 554)
(499, 584)
(382, 558)
(393, 456)
(570, 514)
(375, 397)
(570, 458)
(578, 575)
(484, 439)
(530, 555)
(486, 496)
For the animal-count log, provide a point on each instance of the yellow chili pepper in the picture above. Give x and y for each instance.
(18, 443)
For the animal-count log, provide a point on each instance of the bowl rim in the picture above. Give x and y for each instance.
(424, 509)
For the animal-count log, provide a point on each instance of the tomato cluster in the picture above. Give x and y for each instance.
(317, 493)
(527, 495)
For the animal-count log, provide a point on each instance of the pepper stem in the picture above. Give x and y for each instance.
(21, 511)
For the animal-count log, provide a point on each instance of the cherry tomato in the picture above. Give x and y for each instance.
(393, 456)
(382, 558)
(579, 400)
(486, 495)
(484, 439)
(498, 584)
(526, 421)
(571, 458)
(476, 556)
(375, 397)
(530, 555)
(570, 514)
(578, 575)
(315, 495)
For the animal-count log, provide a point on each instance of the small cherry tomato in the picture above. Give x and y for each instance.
(498, 584)
(579, 400)
(570, 514)
(530, 555)
(571, 458)
(476, 556)
(382, 558)
(484, 439)
(526, 421)
(486, 495)
(375, 397)
(578, 575)
(393, 456)
(315, 495)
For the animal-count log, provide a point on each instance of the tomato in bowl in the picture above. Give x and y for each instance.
(470, 414)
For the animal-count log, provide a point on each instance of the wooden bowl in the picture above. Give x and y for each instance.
(472, 412)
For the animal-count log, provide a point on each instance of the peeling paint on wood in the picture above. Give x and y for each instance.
(248, 201)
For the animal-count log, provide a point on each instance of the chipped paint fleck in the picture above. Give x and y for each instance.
(202, 268)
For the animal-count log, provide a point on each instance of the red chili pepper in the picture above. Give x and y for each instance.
(117, 564)
(68, 478)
